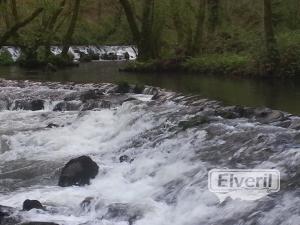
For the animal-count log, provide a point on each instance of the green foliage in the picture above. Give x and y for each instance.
(289, 47)
(5, 58)
(218, 64)
(237, 46)
(59, 61)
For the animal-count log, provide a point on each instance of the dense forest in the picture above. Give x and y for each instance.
(240, 37)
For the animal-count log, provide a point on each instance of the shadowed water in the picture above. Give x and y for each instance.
(276, 94)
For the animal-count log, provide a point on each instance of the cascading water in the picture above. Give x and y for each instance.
(173, 140)
(101, 52)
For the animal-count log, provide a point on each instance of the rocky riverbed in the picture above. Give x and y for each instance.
(154, 149)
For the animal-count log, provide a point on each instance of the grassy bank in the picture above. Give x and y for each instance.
(224, 64)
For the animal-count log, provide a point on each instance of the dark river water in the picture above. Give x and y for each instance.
(276, 94)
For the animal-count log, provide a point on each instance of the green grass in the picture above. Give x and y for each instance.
(218, 64)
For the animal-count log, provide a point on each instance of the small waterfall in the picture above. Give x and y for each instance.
(95, 52)
(15, 52)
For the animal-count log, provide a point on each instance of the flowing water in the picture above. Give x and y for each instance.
(174, 140)
(276, 94)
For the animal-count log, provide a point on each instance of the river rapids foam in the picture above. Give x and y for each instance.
(174, 141)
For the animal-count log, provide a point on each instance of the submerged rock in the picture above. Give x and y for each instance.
(295, 124)
(37, 105)
(125, 158)
(33, 105)
(231, 112)
(91, 94)
(32, 204)
(267, 115)
(52, 125)
(39, 223)
(193, 122)
(123, 87)
(86, 203)
(3, 105)
(109, 56)
(78, 172)
(6, 216)
(66, 106)
(123, 212)
(138, 89)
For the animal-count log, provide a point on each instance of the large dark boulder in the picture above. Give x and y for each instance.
(78, 172)
(32, 204)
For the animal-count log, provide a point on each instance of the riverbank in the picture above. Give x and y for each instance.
(222, 64)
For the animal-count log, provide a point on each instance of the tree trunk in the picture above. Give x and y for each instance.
(14, 11)
(144, 38)
(50, 27)
(13, 30)
(177, 20)
(68, 37)
(213, 15)
(5, 16)
(99, 10)
(131, 20)
(270, 40)
(146, 42)
(197, 40)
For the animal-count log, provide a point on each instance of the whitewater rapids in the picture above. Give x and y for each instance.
(166, 183)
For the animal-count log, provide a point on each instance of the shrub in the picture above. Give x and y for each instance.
(5, 58)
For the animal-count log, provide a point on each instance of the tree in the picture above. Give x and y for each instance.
(198, 37)
(270, 40)
(146, 45)
(50, 28)
(146, 37)
(14, 11)
(69, 34)
(188, 27)
(18, 25)
(213, 15)
(131, 19)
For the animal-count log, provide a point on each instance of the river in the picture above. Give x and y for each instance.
(276, 94)
(172, 139)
